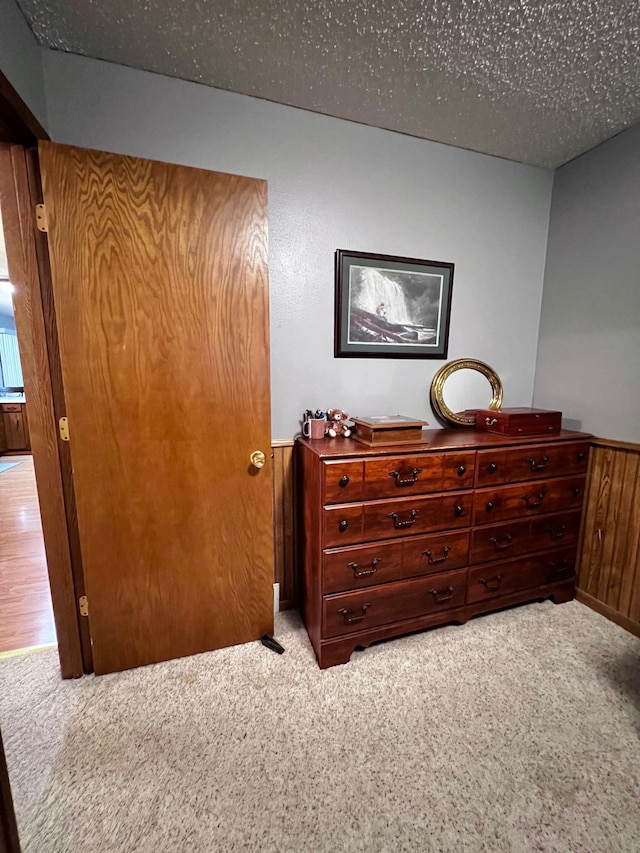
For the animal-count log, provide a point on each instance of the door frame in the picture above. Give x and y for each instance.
(9, 842)
(19, 189)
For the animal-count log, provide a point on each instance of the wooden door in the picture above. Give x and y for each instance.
(161, 296)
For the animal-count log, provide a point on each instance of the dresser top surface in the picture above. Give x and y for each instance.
(434, 440)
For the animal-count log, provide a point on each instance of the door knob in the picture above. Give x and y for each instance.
(257, 459)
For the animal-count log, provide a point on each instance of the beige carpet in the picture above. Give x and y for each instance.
(519, 731)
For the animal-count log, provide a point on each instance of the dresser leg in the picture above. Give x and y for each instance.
(564, 593)
(336, 652)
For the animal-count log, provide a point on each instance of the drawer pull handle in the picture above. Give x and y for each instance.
(577, 492)
(443, 595)
(462, 470)
(489, 506)
(349, 620)
(344, 481)
(492, 467)
(507, 542)
(538, 466)
(343, 524)
(459, 510)
(433, 560)
(561, 568)
(399, 525)
(556, 532)
(534, 503)
(581, 456)
(365, 572)
(491, 421)
(492, 584)
(406, 481)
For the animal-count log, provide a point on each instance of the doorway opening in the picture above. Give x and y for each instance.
(26, 614)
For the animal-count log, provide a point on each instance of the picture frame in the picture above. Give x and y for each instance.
(391, 307)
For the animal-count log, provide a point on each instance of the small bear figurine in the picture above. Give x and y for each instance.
(336, 423)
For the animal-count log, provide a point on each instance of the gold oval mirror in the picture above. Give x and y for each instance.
(466, 391)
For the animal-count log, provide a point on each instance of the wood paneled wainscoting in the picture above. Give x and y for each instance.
(284, 523)
(609, 556)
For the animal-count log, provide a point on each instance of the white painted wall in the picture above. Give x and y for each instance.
(20, 59)
(589, 351)
(335, 184)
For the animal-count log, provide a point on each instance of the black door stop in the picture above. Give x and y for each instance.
(268, 641)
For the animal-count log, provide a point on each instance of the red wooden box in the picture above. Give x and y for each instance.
(519, 421)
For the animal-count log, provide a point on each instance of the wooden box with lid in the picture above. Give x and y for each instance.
(387, 429)
(396, 539)
(519, 421)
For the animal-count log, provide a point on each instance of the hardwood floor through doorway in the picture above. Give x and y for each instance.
(26, 616)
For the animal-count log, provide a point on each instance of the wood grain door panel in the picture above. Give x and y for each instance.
(161, 293)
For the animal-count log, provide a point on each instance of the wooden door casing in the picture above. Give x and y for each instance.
(18, 192)
(8, 827)
(161, 294)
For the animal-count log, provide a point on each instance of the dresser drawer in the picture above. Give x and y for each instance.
(342, 481)
(10, 408)
(342, 525)
(406, 517)
(459, 470)
(556, 530)
(397, 476)
(526, 499)
(500, 541)
(363, 565)
(535, 461)
(496, 579)
(368, 565)
(439, 552)
(509, 539)
(347, 612)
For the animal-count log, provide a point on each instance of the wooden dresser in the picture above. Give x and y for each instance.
(399, 538)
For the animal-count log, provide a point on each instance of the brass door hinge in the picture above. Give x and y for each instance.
(41, 218)
(83, 604)
(63, 425)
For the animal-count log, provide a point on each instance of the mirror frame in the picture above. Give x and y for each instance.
(468, 417)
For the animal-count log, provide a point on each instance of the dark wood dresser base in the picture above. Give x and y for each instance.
(339, 650)
(399, 539)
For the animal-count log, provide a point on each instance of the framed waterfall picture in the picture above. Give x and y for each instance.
(389, 307)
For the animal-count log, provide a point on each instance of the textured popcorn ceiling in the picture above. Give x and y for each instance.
(533, 81)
